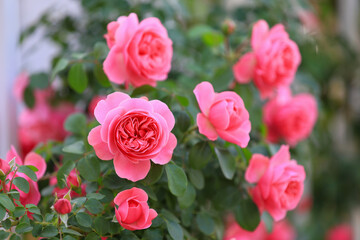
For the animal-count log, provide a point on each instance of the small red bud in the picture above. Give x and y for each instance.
(62, 206)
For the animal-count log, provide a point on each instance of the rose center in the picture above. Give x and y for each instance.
(152, 49)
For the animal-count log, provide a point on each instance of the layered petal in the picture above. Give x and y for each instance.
(37, 161)
(257, 167)
(112, 101)
(205, 127)
(167, 151)
(244, 69)
(101, 148)
(205, 95)
(125, 168)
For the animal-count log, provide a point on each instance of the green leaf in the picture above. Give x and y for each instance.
(177, 180)
(22, 184)
(15, 237)
(143, 90)
(49, 231)
(60, 65)
(153, 234)
(84, 219)
(96, 196)
(196, 178)
(199, 30)
(200, 154)
(213, 39)
(92, 236)
(182, 120)
(72, 232)
(77, 78)
(39, 80)
(29, 97)
(33, 208)
(6, 202)
(6, 224)
(23, 228)
(76, 123)
(94, 206)
(183, 100)
(3, 234)
(68, 237)
(37, 228)
(227, 162)
(247, 214)
(75, 148)
(65, 169)
(28, 171)
(188, 198)
(89, 168)
(101, 225)
(175, 230)
(19, 211)
(101, 76)
(169, 215)
(205, 223)
(268, 220)
(2, 213)
(222, 78)
(100, 50)
(154, 174)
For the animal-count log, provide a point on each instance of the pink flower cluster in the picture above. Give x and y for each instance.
(140, 53)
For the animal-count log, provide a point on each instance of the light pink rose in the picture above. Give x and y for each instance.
(280, 182)
(33, 196)
(141, 53)
(43, 123)
(133, 131)
(340, 232)
(222, 114)
(273, 61)
(290, 118)
(132, 210)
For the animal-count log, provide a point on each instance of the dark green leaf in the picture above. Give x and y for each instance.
(153, 234)
(182, 100)
(19, 211)
(177, 180)
(37, 228)
(101, 225)
(76, 123)
(188, 198)
(39, 80)
(154, 174)
(89, 168)
(28, 171)
(33, 208)
(227, 162)
(205, 223)
(182, 120)
(15, 237)
(196, 178)
(2, 212)
(3, 234)
(100, 50)
(84, 219)
(100, 76)
(175, 230)
(6, 202)
(94, 206)
(49, 231)
(29, 97)
(143, 90)
(70, 231)
(77, 78)
(6, 224)
(60, 65)
(23, 228)
(247, 214)
(200, 154)
(222, 78)
(92, 236)
(22, 184)
(64, 170)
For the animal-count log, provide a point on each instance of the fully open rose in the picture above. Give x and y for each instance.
(280, 182)
(140, 53)
(273, 62)
(133, 131)
(132, 211)
(222, 114)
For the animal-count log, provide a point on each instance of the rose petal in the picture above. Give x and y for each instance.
(205, 95)
(259, 33)
(205, 127)
(37, 161)
(166, 153)
(244, 69)
(165, 112)
(125, 168)
(101, 148)
(257, 167)
(112, 101)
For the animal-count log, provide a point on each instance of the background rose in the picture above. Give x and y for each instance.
(273, 62)
(222, 114)
(132, 211)
(141, 53)
(340, 232)
(280, 182)
(133, 131)
(290, 118)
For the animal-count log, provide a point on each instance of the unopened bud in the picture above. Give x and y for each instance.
(228, 26)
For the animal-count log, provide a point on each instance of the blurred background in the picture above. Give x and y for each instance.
(34, 34)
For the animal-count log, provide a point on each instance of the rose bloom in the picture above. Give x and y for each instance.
(290, 118)
(140, 53)
(273, 61)
(133, 131)
(33, 196)
(280, 182)
(62, 206)
(222, 115)
(281, 231)
(43, 123)
(340, 232)
(132, 211)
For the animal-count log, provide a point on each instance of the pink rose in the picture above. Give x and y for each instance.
(340, 232)
(222, 114)
(140, 53)
(132, 211)
(133, 131)
(33, 196)
(42, 123)
(290, 118)
(273, 62)
(71, 181)
(280, 182)
(282, 231)
(62, 206)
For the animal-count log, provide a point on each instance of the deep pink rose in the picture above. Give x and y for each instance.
(280, 182)
(43, 123)
(222, 114)
(340, 232)
(33, 196)
(273, 61)
(140, 53)
(132, 210)
(233, 231)
(290, 118)
(133, 131)
(62, 206)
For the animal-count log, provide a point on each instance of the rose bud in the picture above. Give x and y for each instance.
(228, 26)
(62, 206)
